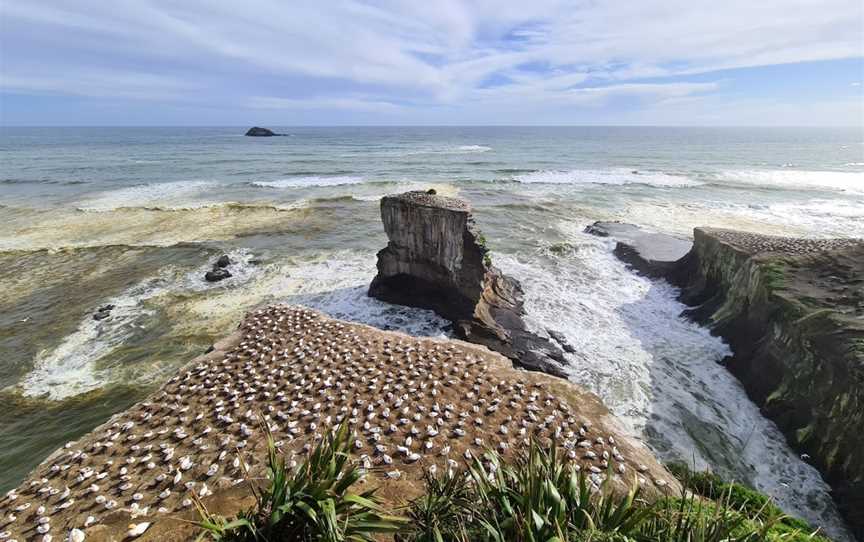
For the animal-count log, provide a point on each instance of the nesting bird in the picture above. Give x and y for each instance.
(296, 375)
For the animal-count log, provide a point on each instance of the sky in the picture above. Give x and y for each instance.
(431, 62)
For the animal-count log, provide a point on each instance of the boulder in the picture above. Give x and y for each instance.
(223, 261)
(437, 259)
(103, 312)
(257, 131)
(217, 274)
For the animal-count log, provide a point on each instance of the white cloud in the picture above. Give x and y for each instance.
(352, 104)
(448, 53)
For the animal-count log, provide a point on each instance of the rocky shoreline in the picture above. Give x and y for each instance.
(792, 311)
(412, 403)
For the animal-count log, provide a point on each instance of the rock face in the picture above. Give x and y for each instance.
(792, 310)
(651, 254)
(257, 131)
(437, 259)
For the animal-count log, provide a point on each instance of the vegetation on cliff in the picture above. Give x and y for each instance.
(536, 497)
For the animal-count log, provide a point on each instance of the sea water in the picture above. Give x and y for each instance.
(133, 217)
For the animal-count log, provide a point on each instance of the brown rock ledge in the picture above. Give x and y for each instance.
(304, 372)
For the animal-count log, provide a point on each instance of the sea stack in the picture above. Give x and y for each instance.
(437, 259)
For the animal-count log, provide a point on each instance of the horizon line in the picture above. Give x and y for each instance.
(246, 126)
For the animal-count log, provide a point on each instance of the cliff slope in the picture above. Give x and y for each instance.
(792, 311)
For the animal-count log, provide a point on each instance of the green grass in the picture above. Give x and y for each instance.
(311, 502)
(747, 500)
(536, 497)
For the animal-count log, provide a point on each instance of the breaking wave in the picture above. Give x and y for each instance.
(310, 181)
(607, 176)
(845, 181)
(658, 372)
(73, 367)
(154, 195)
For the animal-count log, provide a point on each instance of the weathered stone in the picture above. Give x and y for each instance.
(223, 261)
(437, 259)
(649, 253)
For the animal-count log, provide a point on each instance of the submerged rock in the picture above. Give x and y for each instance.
(257, 131)
(220, 270)
(217, 274)
(559, 338)
(103, 312)
(437, 259)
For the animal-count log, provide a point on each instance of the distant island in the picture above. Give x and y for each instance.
(257, 131)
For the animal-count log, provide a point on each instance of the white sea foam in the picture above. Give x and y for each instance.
(607, 176)
(310, 181)
(73, 366)
(847, 181)
(179, 194)
(659, 373)
(817, 218)
(431, 149)
(337, 285)
(473, 148)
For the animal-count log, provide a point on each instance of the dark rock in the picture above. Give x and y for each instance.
(223, 261)
(437, 259)
(431, 192)
(559, 338)
(649, 253)
(257, 131)
(103, 312)
(217, 274)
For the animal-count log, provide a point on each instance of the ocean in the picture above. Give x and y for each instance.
(133, 217)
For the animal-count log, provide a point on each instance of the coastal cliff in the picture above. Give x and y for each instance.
(437, 259)
(792, 310)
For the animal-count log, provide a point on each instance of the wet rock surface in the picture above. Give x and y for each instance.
(649, 253)
(220, 270)
(437, 259)
(103, 312)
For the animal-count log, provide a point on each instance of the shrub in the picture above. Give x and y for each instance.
(748, 501)
(309, 502)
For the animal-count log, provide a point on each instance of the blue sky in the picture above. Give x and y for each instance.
(270, 62)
